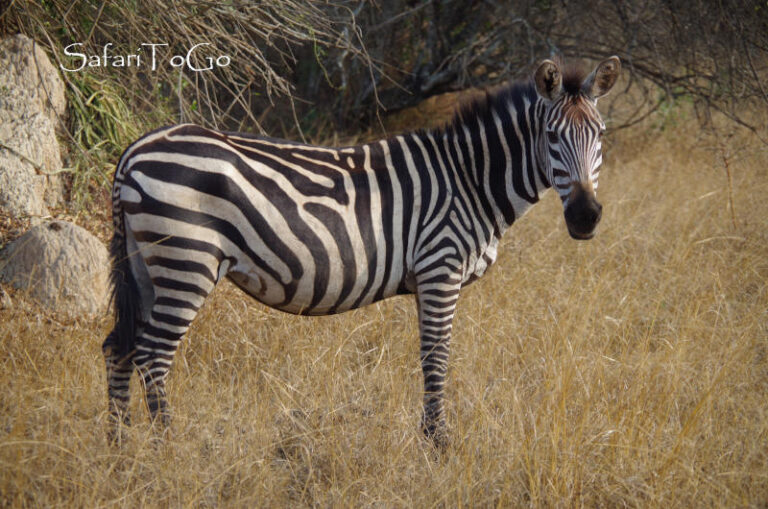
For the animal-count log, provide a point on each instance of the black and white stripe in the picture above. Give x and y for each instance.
(314, 230)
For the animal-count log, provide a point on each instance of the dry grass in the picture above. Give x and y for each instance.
(631, 370)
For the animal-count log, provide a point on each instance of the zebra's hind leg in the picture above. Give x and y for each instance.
(156, 346)
(119, 372)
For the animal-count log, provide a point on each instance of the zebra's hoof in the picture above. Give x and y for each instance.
(117, 428)
(437, 435)
(117, 436)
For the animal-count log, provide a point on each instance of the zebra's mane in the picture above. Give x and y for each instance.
(482, 107)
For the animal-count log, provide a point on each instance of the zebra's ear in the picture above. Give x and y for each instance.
(549, 81)
(602, 79)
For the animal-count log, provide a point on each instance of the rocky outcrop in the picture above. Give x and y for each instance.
(61, 265)
(32, 105)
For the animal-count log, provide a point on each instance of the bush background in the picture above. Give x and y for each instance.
(310, 70)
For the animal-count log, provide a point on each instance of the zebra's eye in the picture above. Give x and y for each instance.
(552, 135)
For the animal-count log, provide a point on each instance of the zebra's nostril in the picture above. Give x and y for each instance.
(597, 213)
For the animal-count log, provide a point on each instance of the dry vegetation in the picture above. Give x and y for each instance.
(631, 370)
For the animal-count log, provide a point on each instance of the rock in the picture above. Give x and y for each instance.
(60, 265)
(26, 188)
(32, 108)
(33, 82)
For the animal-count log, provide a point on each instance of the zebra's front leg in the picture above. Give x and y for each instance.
(119, 372)
(436, 297)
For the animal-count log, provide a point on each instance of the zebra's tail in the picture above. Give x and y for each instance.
(124, 288)
(125, 295)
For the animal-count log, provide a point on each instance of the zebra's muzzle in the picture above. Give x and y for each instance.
(582, 214)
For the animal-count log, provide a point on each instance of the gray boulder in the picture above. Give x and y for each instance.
(61, 265)
(32, 105)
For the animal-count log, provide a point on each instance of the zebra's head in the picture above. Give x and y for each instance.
(571, 143)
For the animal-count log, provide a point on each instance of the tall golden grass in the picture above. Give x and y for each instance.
(631, 370)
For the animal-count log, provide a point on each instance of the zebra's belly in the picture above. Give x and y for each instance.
(310, 296)
(273, 295)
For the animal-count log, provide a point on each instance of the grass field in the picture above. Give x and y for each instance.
(631, 370)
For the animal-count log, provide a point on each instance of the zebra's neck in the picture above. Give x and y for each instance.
(494, 153)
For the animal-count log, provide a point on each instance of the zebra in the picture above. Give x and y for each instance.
(313, 230)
